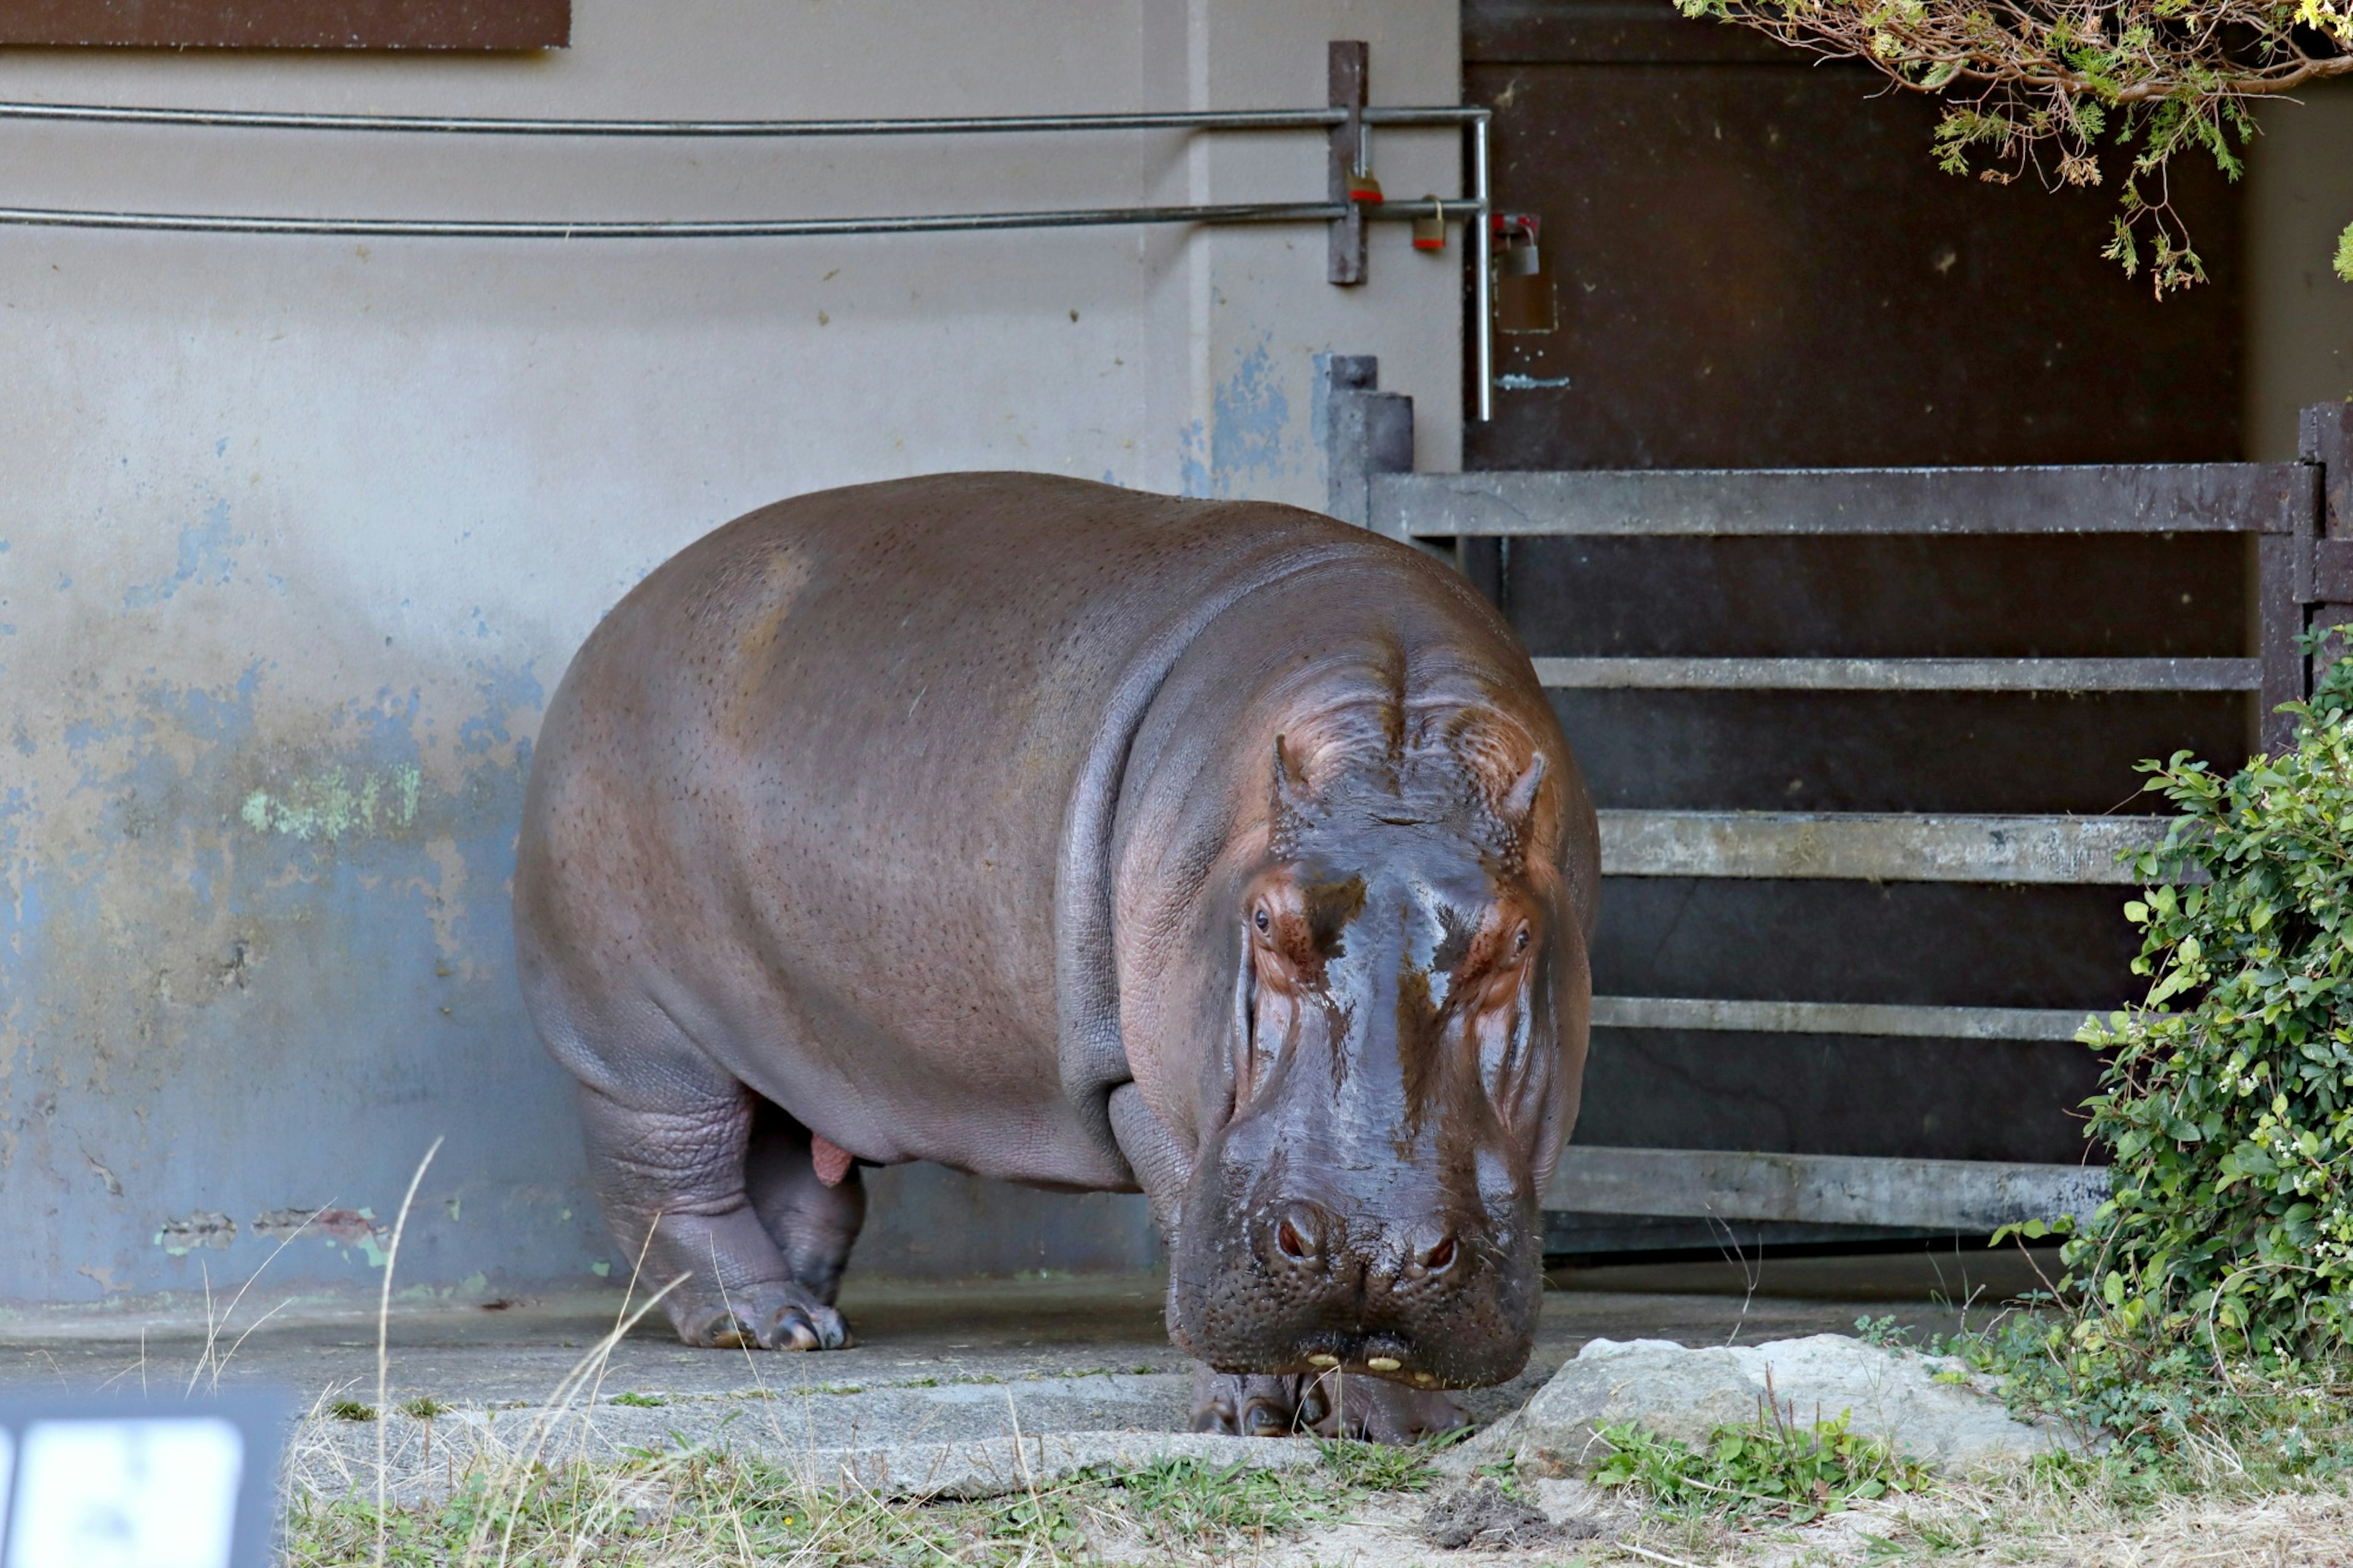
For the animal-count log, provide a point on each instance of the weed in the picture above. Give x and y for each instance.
(424, 1407)
(351, 1410)
(640, 1401)
(1885, 1332)
(1773, 1467)
(1378, 1467)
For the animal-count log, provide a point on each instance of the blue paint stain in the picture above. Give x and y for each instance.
(220, 448)
(1248, 444)
(203, 559)
(1251, 430)
(1193, 471)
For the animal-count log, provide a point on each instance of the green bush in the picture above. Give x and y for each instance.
(2227, 1103)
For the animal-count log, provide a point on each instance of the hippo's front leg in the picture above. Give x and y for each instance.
(671, 1177)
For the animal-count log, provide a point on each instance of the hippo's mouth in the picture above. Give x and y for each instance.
(1390, 1356)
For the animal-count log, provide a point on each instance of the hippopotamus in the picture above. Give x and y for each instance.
(1097, 840)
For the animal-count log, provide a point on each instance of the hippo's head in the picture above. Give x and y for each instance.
(1376, 1126)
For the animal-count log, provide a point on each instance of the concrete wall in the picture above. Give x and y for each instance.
(296, 536)
(2299, 313)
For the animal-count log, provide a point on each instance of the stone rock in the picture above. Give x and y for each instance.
(1928, 1407)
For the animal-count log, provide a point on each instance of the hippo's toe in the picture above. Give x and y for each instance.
(1242, 1407)
(770, 1318)
(1369, 1409)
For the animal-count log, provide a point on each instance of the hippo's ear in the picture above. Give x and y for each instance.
(1290, 798)
(1521, 798)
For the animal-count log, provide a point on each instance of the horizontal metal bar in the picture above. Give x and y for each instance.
(1901, 674)
(2211, 497)
(726, 228)
(1873, 846)
(965, 125)
(1882, 1019)
(1969, 1196)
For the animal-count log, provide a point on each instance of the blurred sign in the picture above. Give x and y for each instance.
(107, 1482)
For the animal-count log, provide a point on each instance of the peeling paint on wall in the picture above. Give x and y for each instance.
(1251, 447)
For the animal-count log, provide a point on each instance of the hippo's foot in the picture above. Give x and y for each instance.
(769, 1317)
(1328, 1405)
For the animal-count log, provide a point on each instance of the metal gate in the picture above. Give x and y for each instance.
(2297, 524)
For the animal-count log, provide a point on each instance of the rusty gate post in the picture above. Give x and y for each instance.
(2327, 443)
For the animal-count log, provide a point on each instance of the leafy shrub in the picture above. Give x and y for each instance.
(2230, 1120)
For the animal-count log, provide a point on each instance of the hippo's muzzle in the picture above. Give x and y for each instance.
(1304, 1286)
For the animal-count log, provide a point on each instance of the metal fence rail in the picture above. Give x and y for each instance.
(1347, 123)
(2186, 498)
(1874, 847)
(1878, 1019)
(1626, 674)
(1971, 1195)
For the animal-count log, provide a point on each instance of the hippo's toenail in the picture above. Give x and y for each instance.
(1323, 1361)
(1382, 1363)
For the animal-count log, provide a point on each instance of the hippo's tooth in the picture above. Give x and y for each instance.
(1323, 1361)
(1382, 1363)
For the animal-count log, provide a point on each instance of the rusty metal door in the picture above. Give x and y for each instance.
(1868, 528)
(1850, 1001)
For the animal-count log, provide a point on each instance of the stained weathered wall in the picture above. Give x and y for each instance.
(2299, 312)
(296, 536)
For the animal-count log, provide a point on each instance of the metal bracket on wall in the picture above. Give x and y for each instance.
(1346, 122)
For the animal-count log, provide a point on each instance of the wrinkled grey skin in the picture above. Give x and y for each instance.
(1089, 839)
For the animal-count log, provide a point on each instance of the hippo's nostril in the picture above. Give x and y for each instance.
(1299, 1235)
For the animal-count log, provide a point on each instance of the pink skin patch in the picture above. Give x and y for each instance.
(831, 1160)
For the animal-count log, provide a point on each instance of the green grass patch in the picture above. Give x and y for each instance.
(1774, 1467)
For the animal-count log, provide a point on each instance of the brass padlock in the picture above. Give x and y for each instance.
(1430, 232)
(1362, 186)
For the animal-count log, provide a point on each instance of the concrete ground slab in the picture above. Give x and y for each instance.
(911, 1337)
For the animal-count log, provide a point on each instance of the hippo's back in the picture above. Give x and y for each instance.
(807, 791)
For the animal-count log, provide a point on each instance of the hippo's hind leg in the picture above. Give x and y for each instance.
(1329, 1404)
(813, 1220)
(667, 1153)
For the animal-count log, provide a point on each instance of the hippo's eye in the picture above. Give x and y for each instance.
(1260, 921)
(1520, 939)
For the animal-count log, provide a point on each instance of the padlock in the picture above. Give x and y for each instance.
(1520, 257)
(1430, 232)
(1362, 186)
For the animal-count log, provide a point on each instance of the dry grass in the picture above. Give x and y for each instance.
(715, 1509)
